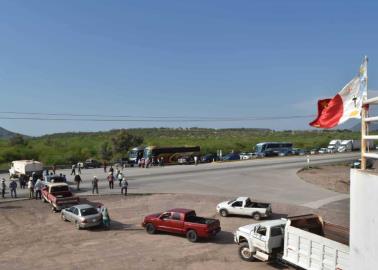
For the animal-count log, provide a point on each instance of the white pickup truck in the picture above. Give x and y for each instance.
(245, 207)
(305, 241)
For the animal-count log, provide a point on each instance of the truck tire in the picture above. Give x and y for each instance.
(150, 228)
(223, 212)
(245, 254)
(256, 216)
(192, 236)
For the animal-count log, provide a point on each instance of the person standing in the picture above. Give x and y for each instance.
(120, 177)
(38, 189)
(111, 180)
(195, 160)
(95, 185)
(124, 185)
(105, 217)
(34, 178)
(73, 171)
(77, 180)
(79, 168)
(53, 168)
(13, 187)
(162, 161)
(31, 188)
(104, 166)
(111, 170)
(3, 187)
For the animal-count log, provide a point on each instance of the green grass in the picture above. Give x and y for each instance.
(67, 147)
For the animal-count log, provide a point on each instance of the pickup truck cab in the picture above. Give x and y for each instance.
(58, 195)
(182, 221)
(245, 207)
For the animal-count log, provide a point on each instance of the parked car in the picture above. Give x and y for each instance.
(284, 152)
(298, 152)
(209, 158)
(323, 151)
(58, 195)
(182, 221)
(357, 164)
(247, 155)
(82, 215)
(314, 151)
(92, 163)
(231, 156)
(185, 160)
(245, 207)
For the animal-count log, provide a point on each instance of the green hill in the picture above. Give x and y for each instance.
(64, 148)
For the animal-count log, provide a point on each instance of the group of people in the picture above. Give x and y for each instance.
(147, 162)
(34, 184)
(12, 187)
(73, 169)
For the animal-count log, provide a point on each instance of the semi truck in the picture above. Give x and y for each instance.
(304, 241)
(349, 145)
(25, 167)
(333, 146)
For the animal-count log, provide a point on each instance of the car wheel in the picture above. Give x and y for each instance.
(245, 254)
(77, 225)
(256, 216)
(192, 236)
(223, 212)
(150, 228)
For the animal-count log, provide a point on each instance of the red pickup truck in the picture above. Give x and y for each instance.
(58, 195)
(182, 221)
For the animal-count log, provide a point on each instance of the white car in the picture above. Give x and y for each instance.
(323, 151)
(245, 207)
(247, 155)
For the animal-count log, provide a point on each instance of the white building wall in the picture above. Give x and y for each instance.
(363, 220)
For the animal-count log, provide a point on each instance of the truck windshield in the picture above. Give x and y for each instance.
(59, 189)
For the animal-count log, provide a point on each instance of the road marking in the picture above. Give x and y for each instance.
(320, 203)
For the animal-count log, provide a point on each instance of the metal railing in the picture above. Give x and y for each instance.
(365, 121)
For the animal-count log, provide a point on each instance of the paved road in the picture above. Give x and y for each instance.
(270, 179)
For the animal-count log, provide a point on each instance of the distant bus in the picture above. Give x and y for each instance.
(135, 155)
(170, 154)
(268, 149)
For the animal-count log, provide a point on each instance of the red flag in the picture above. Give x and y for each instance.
(329, 112)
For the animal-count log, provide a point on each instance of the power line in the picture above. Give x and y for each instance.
(136, 118)
(157, 120)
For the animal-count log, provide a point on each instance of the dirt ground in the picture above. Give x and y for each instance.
(332, 177)
(33, 237)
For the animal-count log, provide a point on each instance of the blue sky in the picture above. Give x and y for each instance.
(188, 58)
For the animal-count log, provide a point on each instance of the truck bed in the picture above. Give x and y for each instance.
(200, 220)
(313, 244)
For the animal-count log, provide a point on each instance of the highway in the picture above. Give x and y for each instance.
(269, 179)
